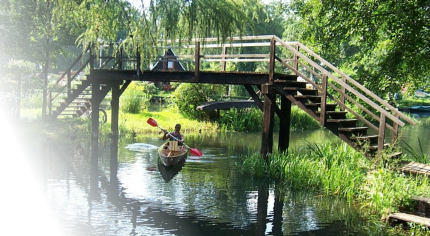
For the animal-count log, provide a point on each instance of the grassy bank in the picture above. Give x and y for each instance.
(30, 126)
(136, 123)
(330, 169)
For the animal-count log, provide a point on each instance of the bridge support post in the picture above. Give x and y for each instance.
(116, 93)
(95, 103)
(268, 120)
(284, 125)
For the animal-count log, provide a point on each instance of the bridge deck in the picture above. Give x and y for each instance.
(242, 78)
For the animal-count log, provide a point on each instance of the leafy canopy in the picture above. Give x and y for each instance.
(384, 42)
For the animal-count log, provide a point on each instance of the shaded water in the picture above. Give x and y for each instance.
(138, 196)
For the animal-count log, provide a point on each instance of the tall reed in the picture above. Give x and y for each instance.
(339, 170)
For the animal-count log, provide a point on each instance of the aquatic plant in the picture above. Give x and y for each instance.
(339, 170)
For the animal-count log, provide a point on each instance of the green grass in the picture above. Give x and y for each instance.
(30, 125)
(338, 170)
(411, 101)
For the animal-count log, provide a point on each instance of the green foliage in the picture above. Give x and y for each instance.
(386, 43)
(339, 170)
(188, 96)
(136, 97)
(249, 120)
(417, 157)
(300, 120)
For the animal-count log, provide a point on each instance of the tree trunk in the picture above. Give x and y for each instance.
(45, 89)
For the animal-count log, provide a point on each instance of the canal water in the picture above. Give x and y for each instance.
(49, 190)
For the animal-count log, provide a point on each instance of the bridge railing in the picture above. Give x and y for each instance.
(330, 81)
(344, 90)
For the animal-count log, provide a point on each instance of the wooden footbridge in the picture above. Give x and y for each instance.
(294, 75)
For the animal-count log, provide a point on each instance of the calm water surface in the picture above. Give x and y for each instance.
(57, 194)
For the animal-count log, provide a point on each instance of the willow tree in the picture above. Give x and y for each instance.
(100, 21)
(146, 28)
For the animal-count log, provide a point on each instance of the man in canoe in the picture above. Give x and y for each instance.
(177, 134)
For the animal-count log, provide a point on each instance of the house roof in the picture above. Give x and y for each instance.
(160, 65)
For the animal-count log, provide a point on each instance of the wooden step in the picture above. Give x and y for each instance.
(304, 91)
(291, 83)
(395, 155)
(404, 217)
(343, 122)
(329, 107)
(354, 130)
(374, 147)
(416, 168)
(334, 114)
(314, 98)
(423, 206)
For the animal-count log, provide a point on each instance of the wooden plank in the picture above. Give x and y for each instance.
(225, 105)
(323, 118)
(416, 168)
(381, 137)
(341, 120)
(284, 125)
(237, 56)
(409, 218)
(246, 78)
(268, 122)
(421, 199)
(197, 62)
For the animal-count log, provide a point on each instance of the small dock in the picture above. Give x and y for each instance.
(416, 169)
(225, 105)
(404, 217)
(419, 215)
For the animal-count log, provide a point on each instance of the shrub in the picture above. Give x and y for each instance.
(136, 97)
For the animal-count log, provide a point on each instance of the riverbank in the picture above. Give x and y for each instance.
(30, 125)
(374, 186)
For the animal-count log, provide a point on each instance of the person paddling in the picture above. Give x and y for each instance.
(177, 134)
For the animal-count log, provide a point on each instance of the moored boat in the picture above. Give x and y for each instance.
(172, 156)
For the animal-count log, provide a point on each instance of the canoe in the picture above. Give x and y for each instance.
(171, 158)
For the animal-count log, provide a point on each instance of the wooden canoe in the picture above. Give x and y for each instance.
(171, 158)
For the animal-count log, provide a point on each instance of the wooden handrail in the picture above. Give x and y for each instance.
(358, 85)
(349, 88)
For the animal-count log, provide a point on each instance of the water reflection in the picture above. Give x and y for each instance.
(168, 172)
(204, 196)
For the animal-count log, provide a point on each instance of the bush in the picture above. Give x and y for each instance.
(136, 97)
(249, 120)
(188, 96)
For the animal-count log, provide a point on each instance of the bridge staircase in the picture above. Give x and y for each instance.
(332, 116)
(75, 98)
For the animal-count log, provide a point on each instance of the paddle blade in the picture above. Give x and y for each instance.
(196, 152)
(152, 122)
